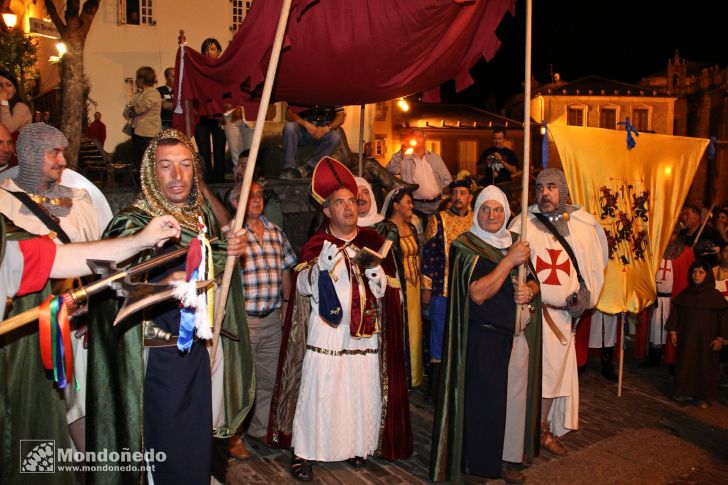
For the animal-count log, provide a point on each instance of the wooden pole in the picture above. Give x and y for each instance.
(361, 140)
(231, 263)
(621, 355)
(526, 153)
(702, 226)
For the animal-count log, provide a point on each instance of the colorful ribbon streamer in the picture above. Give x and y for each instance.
(631, 143)
(54, 336)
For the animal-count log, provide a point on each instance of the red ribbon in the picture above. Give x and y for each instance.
(54, 335)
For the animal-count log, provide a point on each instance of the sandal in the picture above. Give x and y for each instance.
(301, 469)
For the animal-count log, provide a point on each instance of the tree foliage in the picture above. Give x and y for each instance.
(18, 55)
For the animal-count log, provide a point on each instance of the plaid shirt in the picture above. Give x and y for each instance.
(263, 265)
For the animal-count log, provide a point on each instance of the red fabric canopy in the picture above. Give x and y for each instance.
(346, 52)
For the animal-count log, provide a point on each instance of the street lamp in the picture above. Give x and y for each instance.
(403, 104)
(9, 18)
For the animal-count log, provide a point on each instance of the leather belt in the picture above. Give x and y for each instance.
(493, 328)
(664, 294)
(261, 314)
(427, 200)
(552, 325)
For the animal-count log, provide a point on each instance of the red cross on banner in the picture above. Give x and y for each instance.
(553, 277)
(664, 269)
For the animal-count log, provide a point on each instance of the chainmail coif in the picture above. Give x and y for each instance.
(33, 142)
(153, 201)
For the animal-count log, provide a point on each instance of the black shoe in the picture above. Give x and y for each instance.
(290, 173)
(653, 359)
(581, 369)
(301, 469)
(357, 462)
(607, 366)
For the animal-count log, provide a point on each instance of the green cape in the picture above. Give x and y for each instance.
(31, 406)
(115, 394)
(447, 441)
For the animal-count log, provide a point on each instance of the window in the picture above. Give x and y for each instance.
(380, 146)
(434, 145)
(135, 12)
(467, 155)
(608, 118)
(240, 9)
(641, 119)
(575, 116)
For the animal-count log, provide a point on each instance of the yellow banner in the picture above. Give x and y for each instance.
(635, 194)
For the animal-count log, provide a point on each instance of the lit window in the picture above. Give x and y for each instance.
(135, 12)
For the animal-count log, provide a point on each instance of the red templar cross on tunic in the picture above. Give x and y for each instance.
(553, 277)
(664, 269)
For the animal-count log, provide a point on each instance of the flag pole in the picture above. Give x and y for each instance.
(621, 354)
(231, 262)
(361, 140)
(526, 153)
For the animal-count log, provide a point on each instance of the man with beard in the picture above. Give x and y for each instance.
(36, 202)
(149, 395)
(341, 389)
(569, 253)
(442, 229)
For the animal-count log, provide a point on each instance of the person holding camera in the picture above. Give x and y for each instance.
(498, 163)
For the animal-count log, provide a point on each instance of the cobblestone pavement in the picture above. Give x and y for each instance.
(642, 437)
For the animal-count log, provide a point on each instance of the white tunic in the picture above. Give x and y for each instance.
(603, 330)
(338, 412)
(558, 280)
(659, 314)
(81, 224)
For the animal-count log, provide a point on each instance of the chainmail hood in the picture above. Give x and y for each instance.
(556, 177)
(33, 142)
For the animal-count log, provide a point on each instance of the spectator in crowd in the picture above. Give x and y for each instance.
(238, 132)
(97, 131)
(721, 223)
(7, 149)
(165, 92)
(482, 323)
(47, 117)
(414, 164)
(698, 325)
(397, 227)
(442, 229)
(316, 125)
(14, 113)
(142, 112)
(209, 127)
(704, 244)
(37, 117)
(266, 271)
(498, 163)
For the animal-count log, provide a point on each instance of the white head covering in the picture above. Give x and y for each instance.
(501, 239)
(373, 216)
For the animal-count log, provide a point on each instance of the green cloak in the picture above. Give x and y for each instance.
(31, 406)
(447, 441)
(115, 394)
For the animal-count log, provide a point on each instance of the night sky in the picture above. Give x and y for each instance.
(624, 41)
